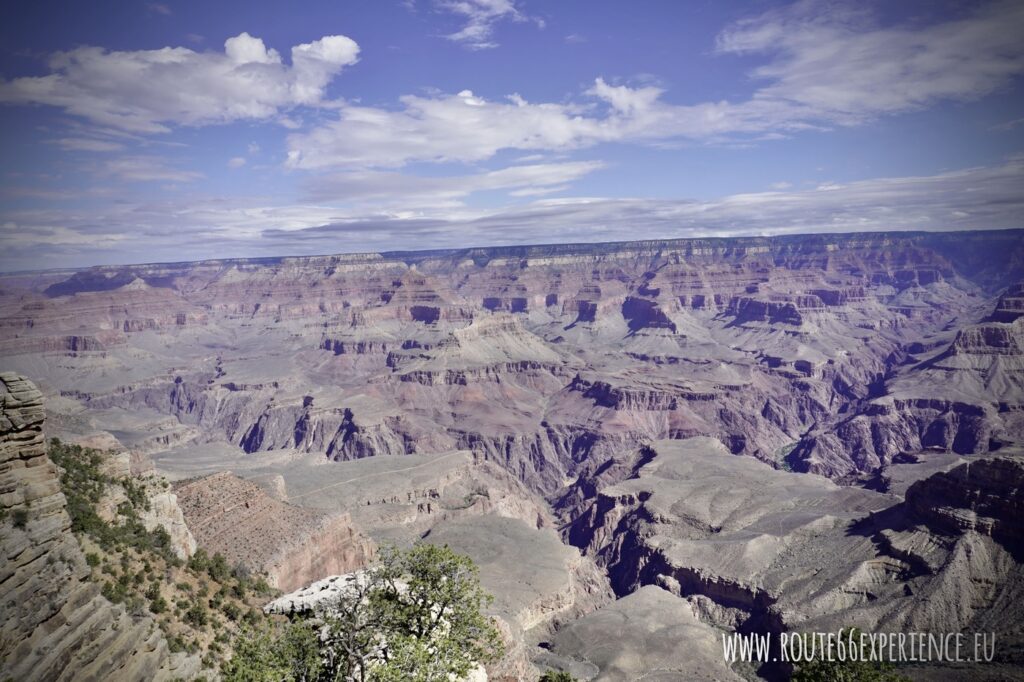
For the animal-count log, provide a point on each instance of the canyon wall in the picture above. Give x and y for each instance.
(823, 353)
(56, 625)
(292, 546)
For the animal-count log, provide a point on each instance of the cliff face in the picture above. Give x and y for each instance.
(56, 625)
(986, 496)
(561, 372)
(753, 548)
(292, 545)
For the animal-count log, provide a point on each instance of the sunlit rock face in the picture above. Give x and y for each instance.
(290, 545)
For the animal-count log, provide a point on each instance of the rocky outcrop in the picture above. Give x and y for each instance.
(292, 545)
(755, 549)
(162, 509)
(744, 309)
(986, 496)
(56, 625)
(967, 398)
(1010, 306)
(868, 442)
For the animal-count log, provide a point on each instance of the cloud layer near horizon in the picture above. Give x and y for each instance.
(969, 199)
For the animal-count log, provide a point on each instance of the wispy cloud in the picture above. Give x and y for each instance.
(481, 16)
(1008, 125)
(86, 144)
(410, 191)
(147, 169)
(838, 63)
(146, 90)
(824, 69)
(968, 199)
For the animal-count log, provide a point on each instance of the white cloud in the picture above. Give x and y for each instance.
(838, 63)
(974, 198)
(144, 91)
(825, 68)
(415, 191)
(465, 127)
(85, 144)
(236, 162)
(147, 169)
(481, 17)
(443, 128)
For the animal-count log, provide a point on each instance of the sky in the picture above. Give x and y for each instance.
(168, 131)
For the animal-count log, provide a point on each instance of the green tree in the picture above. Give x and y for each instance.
(262, 655)
(429, 605)
(418, 616)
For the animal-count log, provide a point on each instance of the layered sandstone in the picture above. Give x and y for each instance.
(772, 345)
(291, 545)
(56, 625)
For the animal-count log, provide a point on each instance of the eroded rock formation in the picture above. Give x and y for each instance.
(56, 625)
(417, 390)
(293, 546)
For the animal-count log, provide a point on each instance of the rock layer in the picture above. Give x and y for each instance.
(56, 625)
(291, 545)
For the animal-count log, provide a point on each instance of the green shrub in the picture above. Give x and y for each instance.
(557, 676)
(218, 568)
(199, 561)
(262, 587)
(115, 592)
(196, 615)
(231, 610)
(20, 518)
(158, 604)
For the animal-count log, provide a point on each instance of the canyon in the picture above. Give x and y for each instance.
(652, 442)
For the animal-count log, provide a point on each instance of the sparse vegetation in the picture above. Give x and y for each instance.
(858, 670)
(432, 628)
(84, 485)
(137, 567)
(557, 676)
(417, 616)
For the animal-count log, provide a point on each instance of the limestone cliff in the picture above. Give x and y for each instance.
(55, 623)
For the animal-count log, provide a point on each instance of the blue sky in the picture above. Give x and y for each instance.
(176, 131)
